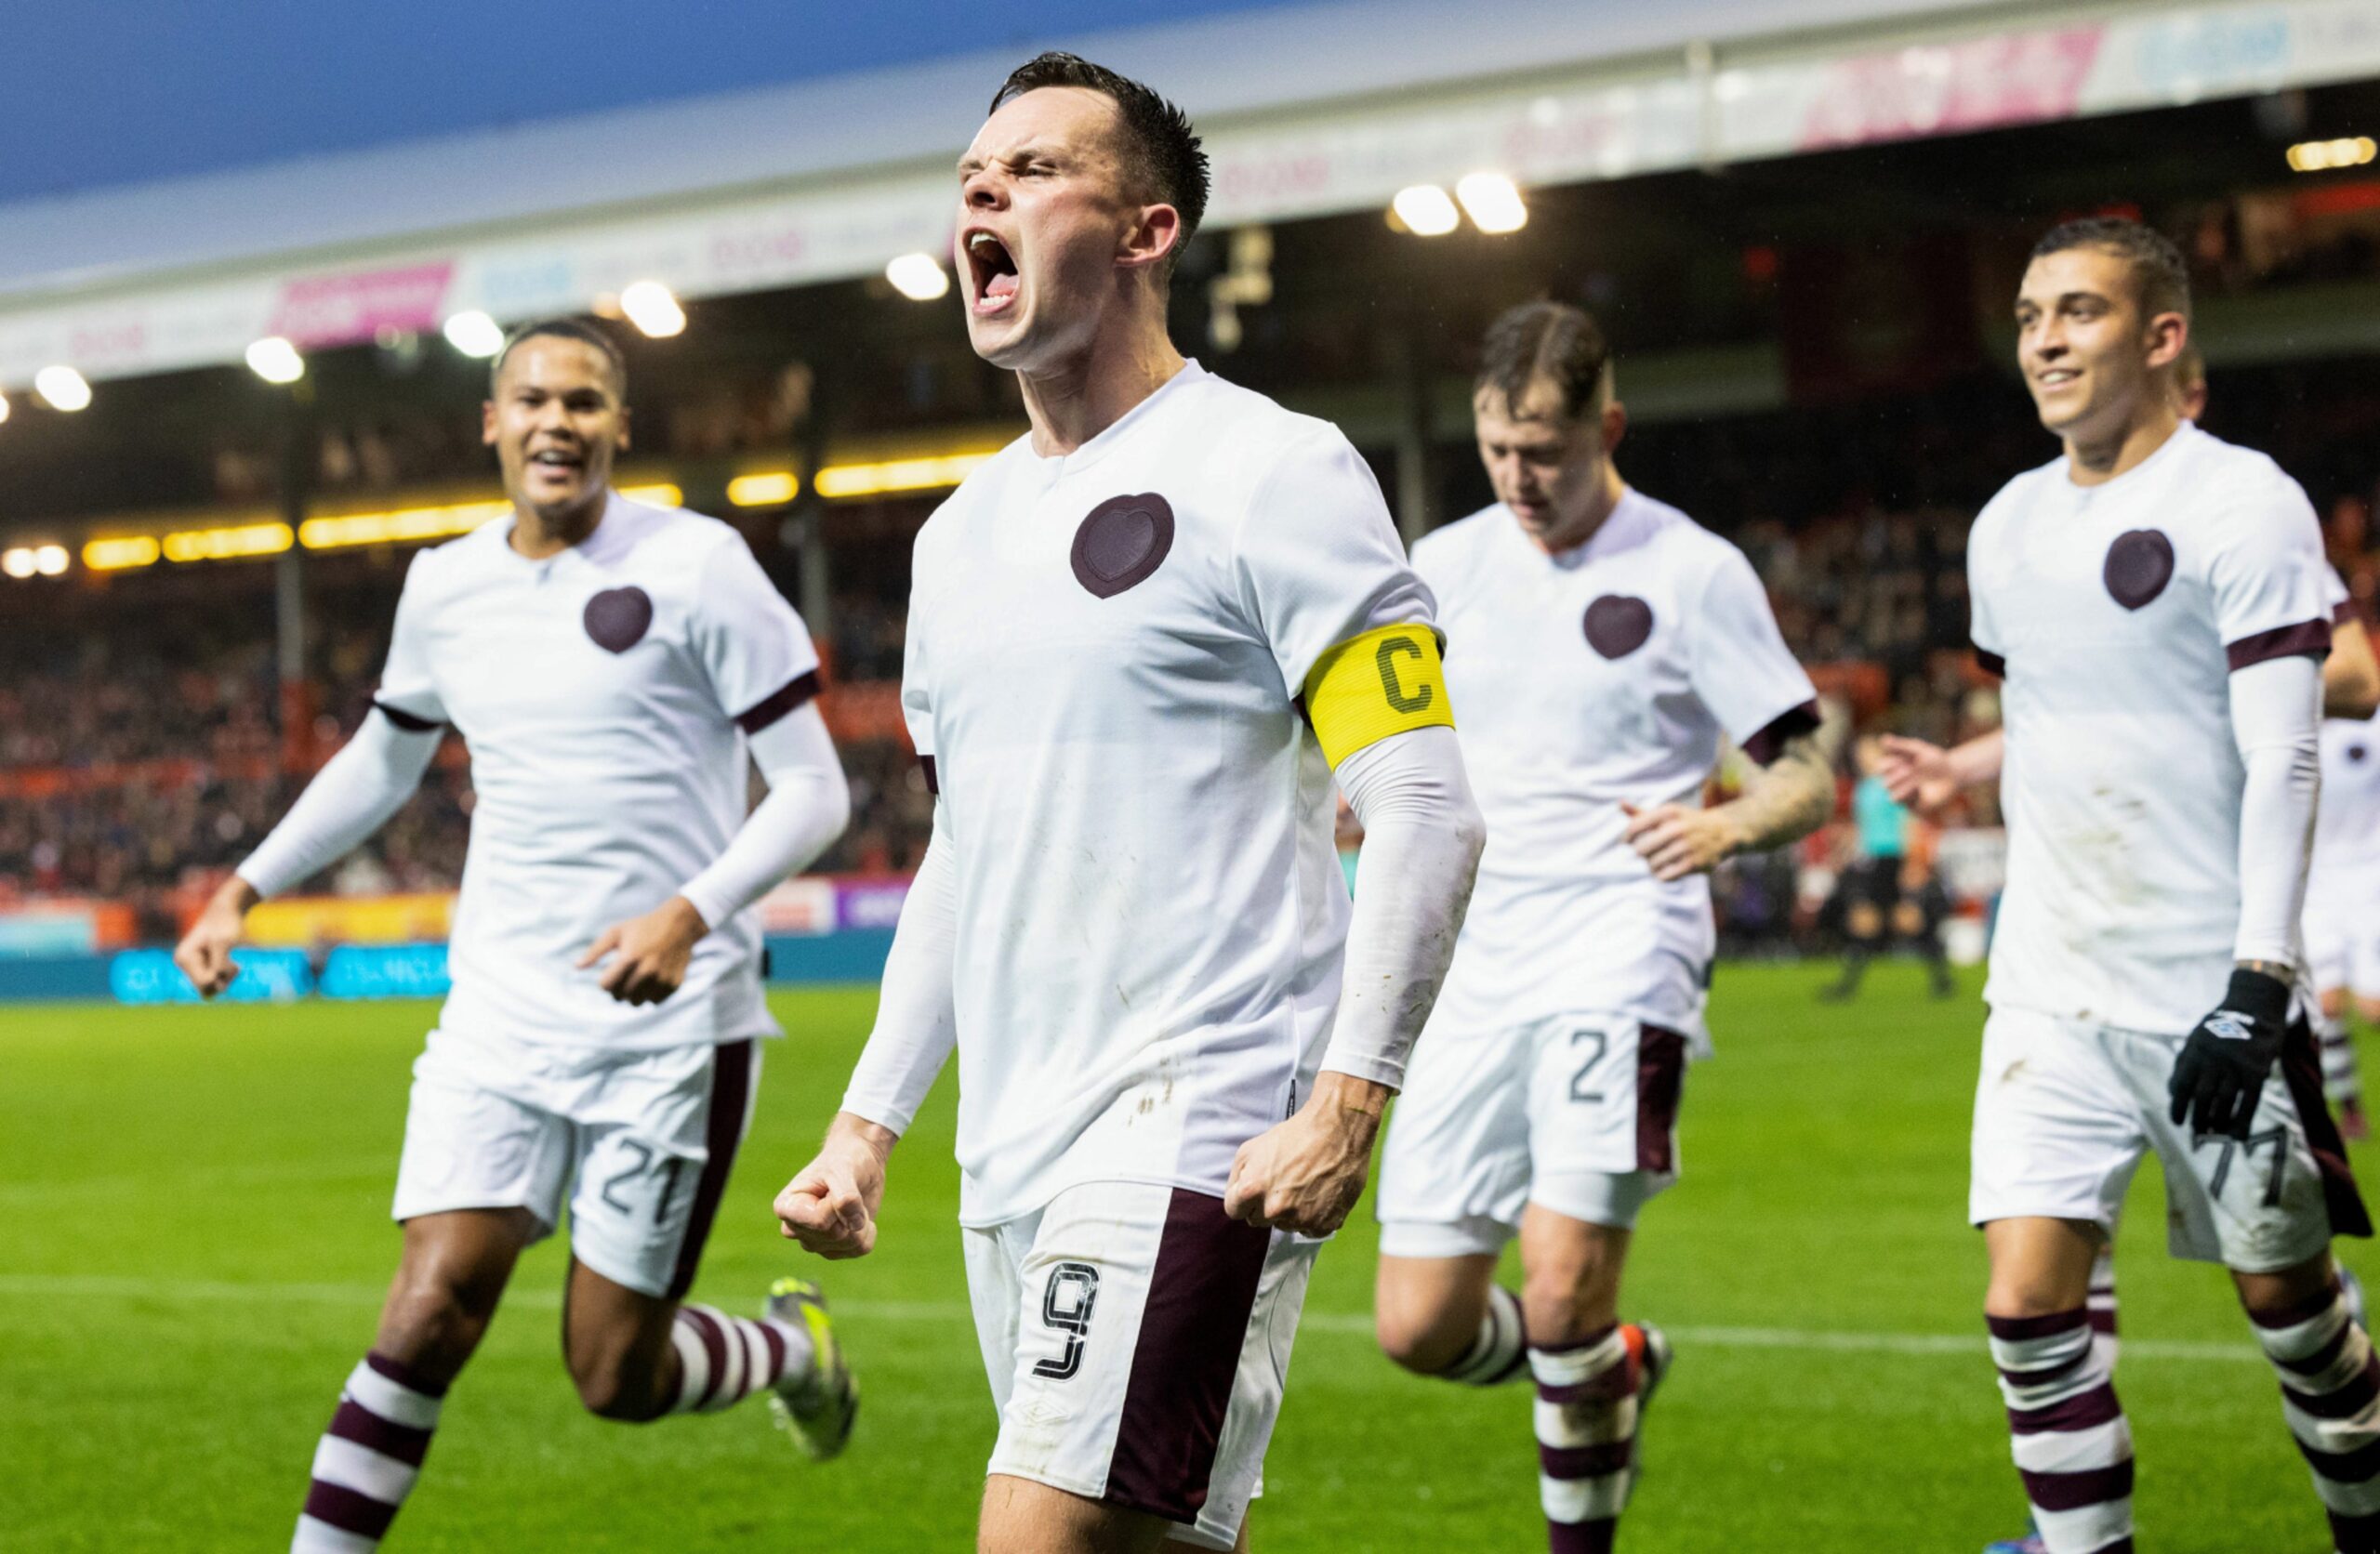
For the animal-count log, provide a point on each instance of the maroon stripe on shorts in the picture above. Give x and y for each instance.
(404, 1375)
(934, 778)
(1585, 1462)
(2346, 1400)
(731, 1090)
(1660, 1081)
(784, 699)
(2345, 612)
(2103, 1322)
(348, 1512)
(2072, 1492)
(2121, 1545)
(1991, 664)
(2301, 1070)
(2309, 639)
(2083, 1411)
(354, 1422)
(714, 1341)
(1202, 1295)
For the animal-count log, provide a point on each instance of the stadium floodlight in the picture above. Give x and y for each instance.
(660, 493)
(1426, 210)
(889, 476)
(116, 555)
(2319, 156)
(51, 561)
(918, 277)
(1492, 202)
(652, 309)
(274, 359)
(62, 388)
(474, 334)
(17, 561)
(4, 407)
(766, 487)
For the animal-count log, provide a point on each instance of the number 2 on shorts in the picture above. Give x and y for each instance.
(1579, 1090)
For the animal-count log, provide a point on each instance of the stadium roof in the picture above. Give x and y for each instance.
(1309, 109)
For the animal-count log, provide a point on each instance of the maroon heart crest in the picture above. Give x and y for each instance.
(1617, 625)
(2139, 565)
(616, 619)
(1121, 543)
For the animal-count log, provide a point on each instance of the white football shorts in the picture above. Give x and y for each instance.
(1576, 1113)
(1137, 1341)
(641, 1143)
(2064, 1110)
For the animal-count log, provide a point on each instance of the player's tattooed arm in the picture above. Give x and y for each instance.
(1925, 776)
(1782, 802)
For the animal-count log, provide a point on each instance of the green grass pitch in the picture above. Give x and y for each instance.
(193, 1239)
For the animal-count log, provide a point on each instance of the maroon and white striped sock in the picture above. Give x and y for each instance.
(2067, 1432)
(2102, 1307)
(2330, 1393)
(1586, 1438)
(1500, 1351)
(722, 1360)
(368, 1460)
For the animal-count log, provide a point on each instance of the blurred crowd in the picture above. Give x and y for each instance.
(133, 771)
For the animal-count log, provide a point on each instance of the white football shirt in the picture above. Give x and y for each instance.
(1601, 675)
(1104, 658)
(2117, 614)
(604, 693)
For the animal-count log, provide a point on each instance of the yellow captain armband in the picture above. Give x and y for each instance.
(1369, 686)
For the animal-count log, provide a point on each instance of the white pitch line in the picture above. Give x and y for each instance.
(1341, 1323)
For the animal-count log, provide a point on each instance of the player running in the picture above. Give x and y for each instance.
(2159, 606)
(615, 668)
(1141, 639)
(1604, 644)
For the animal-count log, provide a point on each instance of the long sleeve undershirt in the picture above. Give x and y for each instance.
(808, 805)
(916, 1020)
(353, 795)
(2276, 720)
(1422, 835)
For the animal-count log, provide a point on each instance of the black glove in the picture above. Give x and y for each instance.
(2222, 1068)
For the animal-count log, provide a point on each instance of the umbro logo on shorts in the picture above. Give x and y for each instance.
(1122, 541)
(617, 618)
(2140, 563)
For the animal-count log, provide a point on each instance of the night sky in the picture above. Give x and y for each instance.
(99, 92)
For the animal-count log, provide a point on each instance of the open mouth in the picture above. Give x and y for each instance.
(555, 462)
(994, 270)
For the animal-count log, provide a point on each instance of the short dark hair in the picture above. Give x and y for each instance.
(2158, 274)
(1549, 340)
(1161, 151)
(564, 329)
